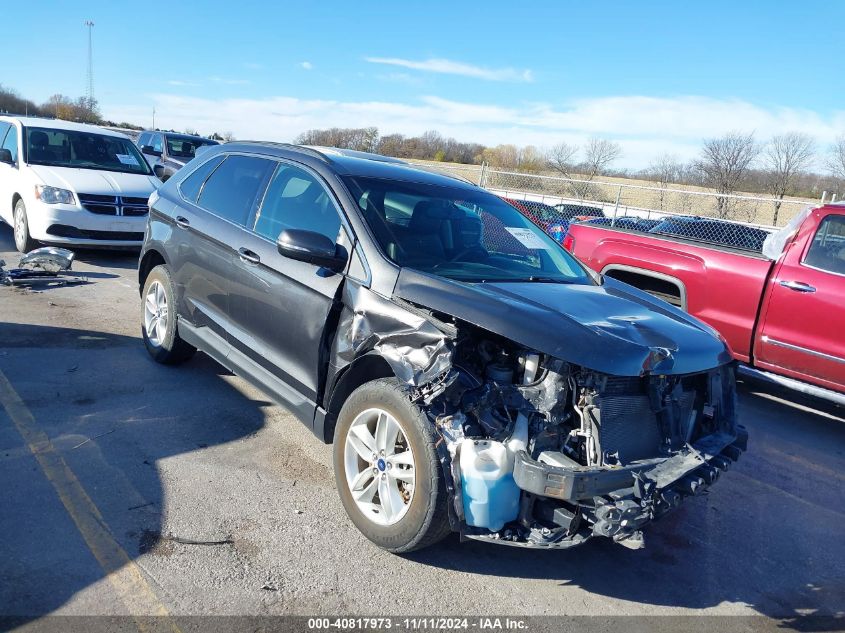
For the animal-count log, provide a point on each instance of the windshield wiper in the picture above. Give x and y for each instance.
(548, 280)
(521, 280)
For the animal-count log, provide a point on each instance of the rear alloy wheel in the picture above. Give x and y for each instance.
(158, 319)
(387, 472)
(23, 241)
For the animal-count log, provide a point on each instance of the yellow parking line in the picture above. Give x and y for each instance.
(123, 574)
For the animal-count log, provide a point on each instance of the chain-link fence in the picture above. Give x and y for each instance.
(695, 213)
(738, 221)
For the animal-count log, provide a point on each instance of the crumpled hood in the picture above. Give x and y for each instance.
(109, 183)
(612, 328)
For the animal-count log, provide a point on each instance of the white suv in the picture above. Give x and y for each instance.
(70, 183)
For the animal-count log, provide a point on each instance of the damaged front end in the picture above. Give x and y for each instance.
(539, 452)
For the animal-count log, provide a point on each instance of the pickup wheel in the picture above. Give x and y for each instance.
(386, 468)
(158, 319)
(23, 240)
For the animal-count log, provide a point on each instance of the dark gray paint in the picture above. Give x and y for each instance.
(302, 326)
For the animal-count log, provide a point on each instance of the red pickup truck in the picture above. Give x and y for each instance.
(782, 311)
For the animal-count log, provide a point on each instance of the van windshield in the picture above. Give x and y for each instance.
(460, 233)
(83, 150)
(185, 146)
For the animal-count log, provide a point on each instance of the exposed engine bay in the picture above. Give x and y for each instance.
(540, 452)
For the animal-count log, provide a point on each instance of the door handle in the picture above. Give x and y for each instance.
(797, 286)
(182, 221)
(247, 255)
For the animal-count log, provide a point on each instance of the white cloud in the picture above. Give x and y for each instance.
(180, 82)
(645, 126)
(307, 65)
(450, 67)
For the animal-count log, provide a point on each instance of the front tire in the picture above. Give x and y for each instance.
(158, 319)
(386, 468)
(23, 240)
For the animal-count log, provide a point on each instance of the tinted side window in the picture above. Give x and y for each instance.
(296, 200)
(157, 142)
(828, 248)
(11, 142)
(191, 186)
(230, 192)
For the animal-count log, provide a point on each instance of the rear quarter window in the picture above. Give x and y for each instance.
(191, 186)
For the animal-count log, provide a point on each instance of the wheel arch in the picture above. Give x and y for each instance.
(149, 260)
(362, 370)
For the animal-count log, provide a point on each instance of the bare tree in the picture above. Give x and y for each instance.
(785, 156)
(599, 154)
(836, 158)
(560, 158)
(664, 170)
(723, 164)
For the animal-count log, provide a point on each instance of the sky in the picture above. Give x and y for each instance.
(658, 77)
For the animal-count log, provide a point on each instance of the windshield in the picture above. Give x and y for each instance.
(185, 146)
(83, 150)
(460, 233)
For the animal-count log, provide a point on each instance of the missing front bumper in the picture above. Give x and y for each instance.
(611, 502)
(580, 484)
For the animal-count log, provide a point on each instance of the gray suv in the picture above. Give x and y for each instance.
(473, 375)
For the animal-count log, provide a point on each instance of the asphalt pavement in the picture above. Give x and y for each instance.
(127, 487)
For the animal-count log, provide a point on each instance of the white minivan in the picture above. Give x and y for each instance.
(70, 183)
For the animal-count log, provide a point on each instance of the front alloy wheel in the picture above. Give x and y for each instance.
(387, 469)
(379, 466)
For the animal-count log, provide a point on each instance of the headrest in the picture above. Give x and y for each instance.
(428, 214)
(39, 138)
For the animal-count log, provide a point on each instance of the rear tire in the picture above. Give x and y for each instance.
(416, 517)
(23, 241)
(158, 319)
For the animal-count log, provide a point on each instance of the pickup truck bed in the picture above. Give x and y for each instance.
(785, 316)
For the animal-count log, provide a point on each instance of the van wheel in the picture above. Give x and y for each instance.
(386, 468)
(158, 319)
(23, 241)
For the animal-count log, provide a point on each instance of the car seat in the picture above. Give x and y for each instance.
(429, 233)
(38, 146)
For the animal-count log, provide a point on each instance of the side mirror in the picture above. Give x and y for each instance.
(314, 248)
(148, 149)
(6, 157)
(158, 170)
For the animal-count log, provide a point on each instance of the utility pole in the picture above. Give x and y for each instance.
(154, 117)
(90, 74)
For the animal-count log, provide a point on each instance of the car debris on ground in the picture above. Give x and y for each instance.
(43, 267)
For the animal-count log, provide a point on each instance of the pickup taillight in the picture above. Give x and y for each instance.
(569, 243)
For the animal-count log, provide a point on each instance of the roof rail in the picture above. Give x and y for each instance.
(299, 148)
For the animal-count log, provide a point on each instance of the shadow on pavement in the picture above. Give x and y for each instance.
(112, 415)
